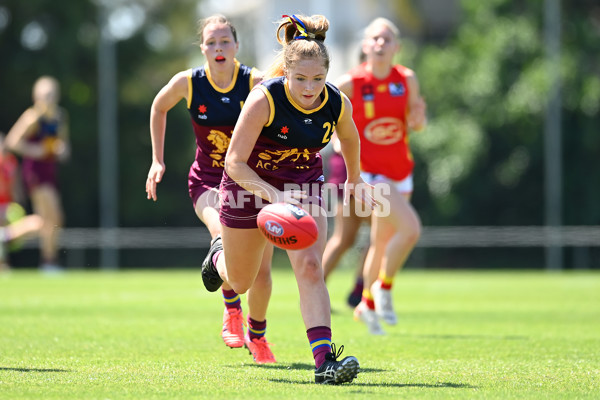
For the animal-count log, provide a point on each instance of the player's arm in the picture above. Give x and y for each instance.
(346, 84)
(350, 146)
(62, 149)
(16, 138)
(166, 99)
(257, 76)
(416, 114)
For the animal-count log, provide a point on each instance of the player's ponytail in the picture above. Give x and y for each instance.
(301, 37)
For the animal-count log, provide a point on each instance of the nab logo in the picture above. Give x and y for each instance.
(202, 110)
(274, 228)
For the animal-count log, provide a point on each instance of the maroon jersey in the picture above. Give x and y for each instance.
(44, 171)
(287, 150)
(214, 112)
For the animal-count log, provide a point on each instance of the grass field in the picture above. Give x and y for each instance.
(155, 335)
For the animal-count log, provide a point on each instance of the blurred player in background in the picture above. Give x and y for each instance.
(387, 104)
(215, 94)
(41, 137)
(14, 224)
(286, 121)
(345, 226)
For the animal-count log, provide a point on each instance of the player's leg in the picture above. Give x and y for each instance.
(380, 234)
(404, 221)
(258, 297)
(29, 225)
(316, 311)
(46, 203)
(345, 229)
(240, 261)
(207, 210)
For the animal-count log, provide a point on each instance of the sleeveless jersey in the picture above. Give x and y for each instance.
(47, 133)
(287, 149)
(214, 112)
(379, 112)
(43, 171)
(8, 167)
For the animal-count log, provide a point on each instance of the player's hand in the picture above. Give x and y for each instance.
(157, 170)
(361, 191)
(416, 117)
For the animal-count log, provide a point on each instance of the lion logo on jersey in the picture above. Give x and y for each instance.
(385, 131)
(221, 142)
(295, 154)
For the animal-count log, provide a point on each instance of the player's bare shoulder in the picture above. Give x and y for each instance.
(346, 84)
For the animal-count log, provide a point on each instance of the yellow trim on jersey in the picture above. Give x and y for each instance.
(343, 108)
(291, 100)
(190, 89)
(271, 104)
(236, 69)
(251, 82)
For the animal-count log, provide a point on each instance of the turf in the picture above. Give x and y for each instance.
(155, 335)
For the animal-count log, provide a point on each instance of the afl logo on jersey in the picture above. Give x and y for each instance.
(385, 131)
(397, 89)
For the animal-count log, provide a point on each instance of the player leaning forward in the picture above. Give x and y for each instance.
(286, 120)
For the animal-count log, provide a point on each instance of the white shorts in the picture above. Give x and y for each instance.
(405, 186)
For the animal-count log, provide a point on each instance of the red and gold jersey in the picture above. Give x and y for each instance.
(379, 112)
(8, 167)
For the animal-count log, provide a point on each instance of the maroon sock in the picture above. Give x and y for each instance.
(256, 329)
(319, 338)
(231, 299)
(358, 287)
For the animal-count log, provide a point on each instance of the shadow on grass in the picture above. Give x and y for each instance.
(33, 369)
(359, 384)
(298, 366)
(311, 367)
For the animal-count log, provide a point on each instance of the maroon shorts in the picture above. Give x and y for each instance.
(36, 173)
(336, 168)
(239, 208)
(198, 184)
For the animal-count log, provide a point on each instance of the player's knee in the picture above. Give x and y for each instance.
(310, 270)
(412, 235)
(239, 287)
(263, 278)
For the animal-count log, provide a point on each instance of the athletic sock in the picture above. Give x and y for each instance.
(231, 299)
(319, 338)
(358, 286)
(215, 257)
(367, 298)
(386, 281)
(256, 329)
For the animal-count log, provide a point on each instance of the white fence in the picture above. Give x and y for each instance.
(432, 236)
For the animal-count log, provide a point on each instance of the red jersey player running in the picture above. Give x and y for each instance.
(387, 104)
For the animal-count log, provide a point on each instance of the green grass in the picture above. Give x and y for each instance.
(155, 335)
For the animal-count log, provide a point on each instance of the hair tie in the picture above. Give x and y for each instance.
(300, 27)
